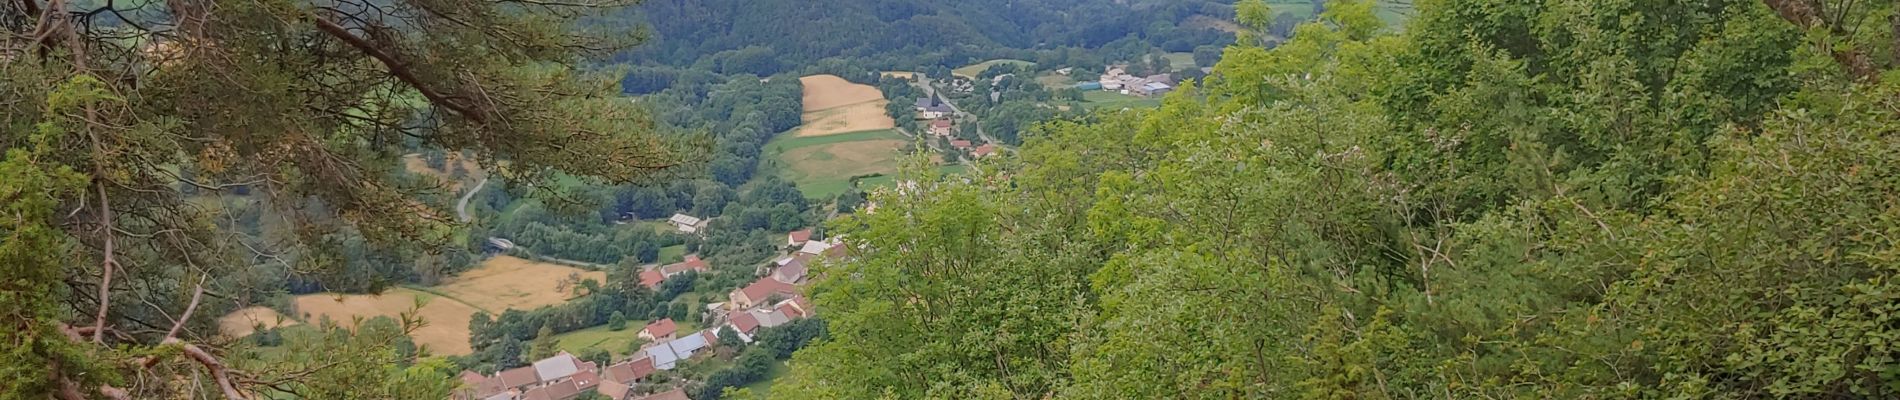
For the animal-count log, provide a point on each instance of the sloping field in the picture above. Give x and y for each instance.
(823, 166)
(834, 105)
(244, 322)
(970, 71)
(445, 329)
(506, 282)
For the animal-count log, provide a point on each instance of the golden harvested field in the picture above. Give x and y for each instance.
(834, 105)
(243, 322)
(445, 330)
(506, 282)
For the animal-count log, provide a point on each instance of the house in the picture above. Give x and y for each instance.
(517, 378)
(759, 292)
(675, 394)
(814, 247)
(796, 307)
(1113, 79)
(1065, 71)
(613, 390)
(792, 272)
(558, 367)
(652, 278)
(659, 330)
(686, 223)
(983, 151)
(1151, 89)
(960, 144)
(668, 354)
(797, 238)
(563, 390)
(476, 386)
(932, 107)
(692, 263)
(941, 127)
(629, 372)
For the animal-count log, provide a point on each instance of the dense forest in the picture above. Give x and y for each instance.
(767, 37)
(1507, 199)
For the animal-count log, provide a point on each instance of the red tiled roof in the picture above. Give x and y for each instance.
(799, 236)
(763, 288)
(629, 372)
(790, 310)
(744, 322)
(559, 391)
(984, 150)
(942, 123)
(518, 377)
(662, 328)
(585, 380)
(692, 263)
(613, 390)
(651, 278)
(960, 143)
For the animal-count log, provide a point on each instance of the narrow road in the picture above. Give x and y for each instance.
(931, 90)
(461, 206)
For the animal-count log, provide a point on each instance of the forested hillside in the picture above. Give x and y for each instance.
(1510, 199)
(765, 37)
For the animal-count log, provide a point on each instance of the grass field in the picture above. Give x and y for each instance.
(970, 71)
(445, 329)
(599, 337)
(834, 106)
(1096, 99)
(672, 254)
(763, 388)
(822, 166)
(244, 322)
(1056, 81)
(1181, 61)
(890, 180)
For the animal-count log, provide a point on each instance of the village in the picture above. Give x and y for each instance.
(772, 300)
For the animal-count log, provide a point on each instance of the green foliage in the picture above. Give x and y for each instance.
(1509, 199)
(617, 321)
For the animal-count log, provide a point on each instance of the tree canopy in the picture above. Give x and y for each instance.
(1507, 199)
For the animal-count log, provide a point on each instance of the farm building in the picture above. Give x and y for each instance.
(941, 127)
(687, 223)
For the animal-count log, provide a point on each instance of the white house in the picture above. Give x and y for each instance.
(687, 223)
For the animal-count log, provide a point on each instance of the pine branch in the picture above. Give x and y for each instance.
(397, 68)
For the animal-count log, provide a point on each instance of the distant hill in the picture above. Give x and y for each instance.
(801, 31)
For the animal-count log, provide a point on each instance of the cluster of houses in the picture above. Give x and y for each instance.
(1117, 79)
(562, 377)
(933, 109)
(772, 300)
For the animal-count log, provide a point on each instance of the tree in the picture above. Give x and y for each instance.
(729, 338)
(596, 355)
(297, 109)
(617, 322)
(545, 345)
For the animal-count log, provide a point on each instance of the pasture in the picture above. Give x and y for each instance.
(822, 166)
(970, 71)
(1100, 99)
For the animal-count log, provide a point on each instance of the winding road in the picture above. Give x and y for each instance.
(461, 206)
